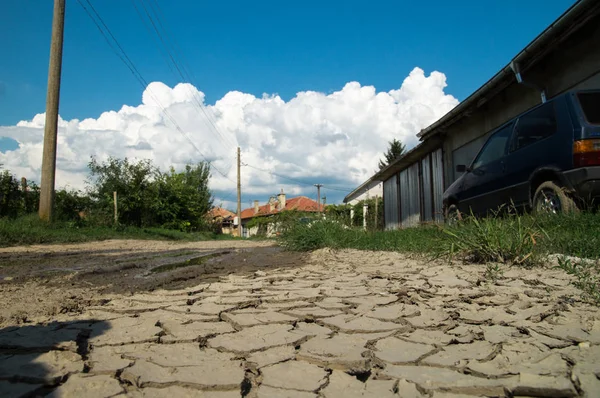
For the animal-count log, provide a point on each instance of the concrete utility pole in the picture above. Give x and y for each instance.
(51, 127)
(239, 192)
(319, 196)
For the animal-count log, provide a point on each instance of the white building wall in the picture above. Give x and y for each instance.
(375, 188)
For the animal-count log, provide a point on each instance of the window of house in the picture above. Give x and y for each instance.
(590, 103)
(535, 126)
(494, 148)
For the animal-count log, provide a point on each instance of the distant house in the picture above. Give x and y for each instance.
(367, 190)
(224, 218)
(275, 205)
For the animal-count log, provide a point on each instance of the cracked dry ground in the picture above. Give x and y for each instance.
(345, 324)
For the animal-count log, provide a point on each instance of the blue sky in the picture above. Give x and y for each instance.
(261, 47)
(258, 47)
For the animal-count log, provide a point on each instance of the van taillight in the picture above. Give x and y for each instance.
(586, 153)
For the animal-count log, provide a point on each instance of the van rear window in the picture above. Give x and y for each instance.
(590, 104)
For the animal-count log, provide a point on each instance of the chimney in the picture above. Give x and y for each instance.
(271, 204)
(281, 200)
(256, 207)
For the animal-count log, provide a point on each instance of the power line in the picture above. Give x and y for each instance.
(332, 188)
(182, 71)
(100, 24)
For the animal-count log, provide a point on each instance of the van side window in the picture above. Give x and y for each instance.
(535, 126)
(494, 148)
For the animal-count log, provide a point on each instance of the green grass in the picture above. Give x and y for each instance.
(30, 230)
(320, 234)
(516, 239)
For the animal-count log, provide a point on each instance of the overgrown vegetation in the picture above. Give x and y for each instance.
(148, 199)
(587, 274)
(513, 239)
(28, 230)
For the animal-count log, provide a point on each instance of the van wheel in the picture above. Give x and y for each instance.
(550, 198)
(452, 215)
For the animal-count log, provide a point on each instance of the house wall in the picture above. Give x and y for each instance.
(374, 188)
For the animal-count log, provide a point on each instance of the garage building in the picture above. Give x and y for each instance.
(563, 57)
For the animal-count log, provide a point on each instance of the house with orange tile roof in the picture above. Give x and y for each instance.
(223, 217)
(275, 205)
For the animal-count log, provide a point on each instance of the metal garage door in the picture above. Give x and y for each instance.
(409, 196)
(427, 188)
(438, 184)
(390, 202)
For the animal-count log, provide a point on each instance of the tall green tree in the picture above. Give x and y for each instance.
(184, 198)
(396, 149)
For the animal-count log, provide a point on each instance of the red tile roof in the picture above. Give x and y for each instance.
(220, 212)
(299, 203)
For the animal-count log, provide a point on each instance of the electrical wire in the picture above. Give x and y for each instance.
(100, 24)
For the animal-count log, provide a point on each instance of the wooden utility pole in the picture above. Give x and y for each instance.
(51, 127)
(239, 193)
(319, 196)
(116, 208)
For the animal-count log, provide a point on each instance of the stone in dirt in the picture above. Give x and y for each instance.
(211, 374)
(395, 350)
(432, 378)
(89, 386)
(106, 360)
(272, 356)
(258, 318)
(311, 329)
(452, 354)
(257, 338)
(177, 332)
(47, 368)
(497, 334)
(314, 312)
(512, 354)
(124, 330)
(359, 324)
(394, 311)
(270, 392)
(544, 386)
(447, 280)
(210, 308)
(435, 337)
(294, 375)
(344, 385)
(429, 318)
(342, 351)
(180, 392)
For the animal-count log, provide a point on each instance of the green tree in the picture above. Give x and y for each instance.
(134, 183)
(396, 149)
(184, 198)
(10, 195)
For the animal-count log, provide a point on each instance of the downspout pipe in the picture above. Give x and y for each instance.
(517, 71)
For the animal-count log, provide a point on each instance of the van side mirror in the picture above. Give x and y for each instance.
(461, 168)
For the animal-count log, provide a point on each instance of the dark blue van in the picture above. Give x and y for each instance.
(546, 159)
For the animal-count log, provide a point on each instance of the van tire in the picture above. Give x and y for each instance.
(551, 198)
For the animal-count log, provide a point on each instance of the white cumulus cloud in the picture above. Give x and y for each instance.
(335, 139)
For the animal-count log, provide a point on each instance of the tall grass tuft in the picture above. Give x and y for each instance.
(513, 239)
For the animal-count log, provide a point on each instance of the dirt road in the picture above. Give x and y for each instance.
(325, 324)
(50, 279)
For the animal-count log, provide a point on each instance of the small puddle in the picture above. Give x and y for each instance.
(187, 263)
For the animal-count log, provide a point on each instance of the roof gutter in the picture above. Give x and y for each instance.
(516, 67)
